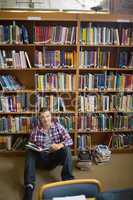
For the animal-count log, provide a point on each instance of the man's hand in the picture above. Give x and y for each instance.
(55, 147)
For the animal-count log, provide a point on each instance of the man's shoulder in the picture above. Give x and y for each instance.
(36, 129)
(55, 124)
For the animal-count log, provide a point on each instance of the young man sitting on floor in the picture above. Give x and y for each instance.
(56, 141)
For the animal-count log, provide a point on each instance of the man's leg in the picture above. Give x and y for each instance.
(66, 173)
(29, 174)
(63, 157)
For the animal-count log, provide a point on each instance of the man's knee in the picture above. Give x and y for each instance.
(66, 151)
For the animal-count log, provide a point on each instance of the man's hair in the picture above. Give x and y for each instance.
(43, 110)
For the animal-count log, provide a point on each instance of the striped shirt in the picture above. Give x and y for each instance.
(56, 134)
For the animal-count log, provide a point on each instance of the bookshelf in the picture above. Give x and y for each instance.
(78, 65)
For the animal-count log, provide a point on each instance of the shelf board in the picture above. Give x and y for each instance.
(12, 133)
(18, 113)
(16, 91)
(104, 91)
(106, 131)
(57, 91)
(54, 45)
(16, 45)
(105, 69)
(39, 69)
(54, 69)
(12, 153)
(65, 69)
(38, 44)
(106, 45)
(16, 69)
(25, 133)
(105, 112)
(64, 113)
(122, 150)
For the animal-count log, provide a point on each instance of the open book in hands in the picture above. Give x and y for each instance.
(34, 147)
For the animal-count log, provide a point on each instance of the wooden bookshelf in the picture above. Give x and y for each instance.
(105, 60)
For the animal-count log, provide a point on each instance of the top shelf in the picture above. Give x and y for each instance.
(65, 45)
(40, 45)
(63, 16)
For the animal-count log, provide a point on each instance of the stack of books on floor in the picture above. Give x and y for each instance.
(84, 160)
(102, 154)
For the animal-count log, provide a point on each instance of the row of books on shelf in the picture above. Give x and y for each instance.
(116, 141)
(13, 34)
(63, 59)
(22, 102)
(86, 103)
(93, 103)
(66, 82)
(24, 124)
(84, 142)
(120, 141)
(105, 122)
(54, 103)
(14, 59)
(54, 58)
(10, 143)
(8, 82)
(46, 58)
(55, 81)
(17, 124)
(59, 34)
(105, 35)
(55, 34)
(103, 59)
(106, 81)
(15, 103)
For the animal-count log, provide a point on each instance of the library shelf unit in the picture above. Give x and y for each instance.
(78, 65)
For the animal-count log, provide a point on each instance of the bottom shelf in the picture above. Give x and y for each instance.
(18, 153)
(12, 153)
(126, 150)
(22, 153)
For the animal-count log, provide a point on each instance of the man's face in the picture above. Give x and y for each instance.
(45, 118)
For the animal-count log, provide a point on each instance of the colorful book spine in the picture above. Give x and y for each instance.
(16, 124)
(62, 35)
(56, 82)
(94, 59)
(14, 59)
(14, 34)
(105, 103)
(106, 81)
(104, 122)
(103, 35)
(54, 59)
(121, 141)
(15, 103)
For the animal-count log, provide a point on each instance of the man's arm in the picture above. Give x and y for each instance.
(65, 136)
(32, 137)
(65, 139)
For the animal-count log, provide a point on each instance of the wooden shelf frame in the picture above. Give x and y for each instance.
(76, 18)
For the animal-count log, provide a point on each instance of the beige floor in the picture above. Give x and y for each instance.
(117, 174)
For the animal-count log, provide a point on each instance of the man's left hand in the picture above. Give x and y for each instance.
(56, 147)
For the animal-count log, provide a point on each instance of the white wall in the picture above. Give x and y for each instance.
(53, 4)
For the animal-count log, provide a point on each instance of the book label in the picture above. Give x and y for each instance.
(34, 18)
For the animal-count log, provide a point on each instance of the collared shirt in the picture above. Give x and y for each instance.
(56, 134)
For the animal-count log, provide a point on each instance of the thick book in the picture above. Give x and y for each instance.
(34, 147)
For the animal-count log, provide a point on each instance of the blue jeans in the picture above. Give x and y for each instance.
(48, 161)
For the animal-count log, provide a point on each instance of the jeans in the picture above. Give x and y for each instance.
(48, 161)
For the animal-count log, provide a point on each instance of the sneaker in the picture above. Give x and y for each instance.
(28, 192)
